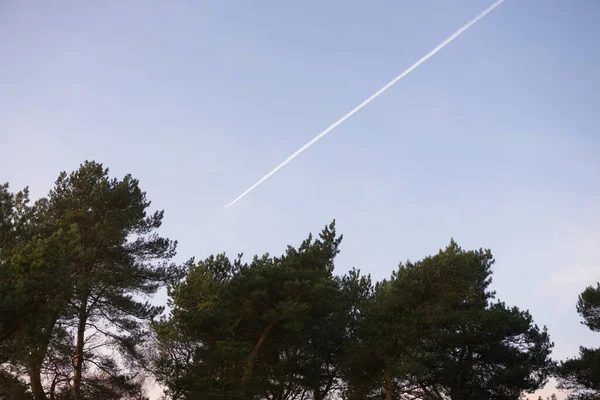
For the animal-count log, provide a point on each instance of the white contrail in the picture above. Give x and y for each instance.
(371, 98)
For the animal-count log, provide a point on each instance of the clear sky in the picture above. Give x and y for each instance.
(494, 141)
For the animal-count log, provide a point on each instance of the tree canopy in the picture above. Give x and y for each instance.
(80, 267)
(79, 261)
(433, 331)
(581, 375)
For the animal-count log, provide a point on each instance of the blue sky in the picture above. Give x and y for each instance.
(493, 141)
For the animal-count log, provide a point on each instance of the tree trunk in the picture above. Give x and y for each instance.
(35, 381)
(78, 368)
(249, 367)
(388, 383)
(34, 369)
(319, 394)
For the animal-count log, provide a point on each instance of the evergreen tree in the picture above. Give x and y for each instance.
(119, 259)
(78, 267)
(581, 375)
(79, 264)
(34, 287)
(433, 332)
(254, 330)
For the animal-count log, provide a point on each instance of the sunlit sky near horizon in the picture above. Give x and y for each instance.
(494, 141)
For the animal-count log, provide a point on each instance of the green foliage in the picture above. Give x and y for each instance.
(13, 294)
(581, 375)
(433, 331)
(286, 327)
(26, 263)
(80, 261)
(256, 330)
(34, 286)
(588, 306)
(78, 268)
(119, 258)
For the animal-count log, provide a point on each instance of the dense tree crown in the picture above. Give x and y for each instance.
(77, 263)
(79, 266)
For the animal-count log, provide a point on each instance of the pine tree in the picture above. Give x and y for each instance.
(432, 331)
(253, 330)
(581, 375)
(119, 259)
